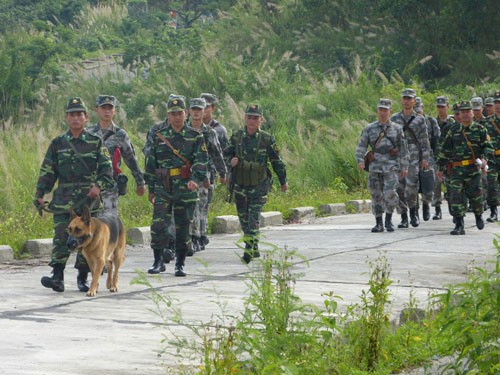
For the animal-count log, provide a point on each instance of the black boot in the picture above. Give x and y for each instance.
(388, 223)
(56, 282)
(379, 227)
(493, 214)
(192, 248)
(203, 241)
(479, 221)
(459, 226)
(158, 265)
(168, 255)
(437, 215)
(179, 265)
(82, 282)
(414, 220)
(404, 221)
(426, 212)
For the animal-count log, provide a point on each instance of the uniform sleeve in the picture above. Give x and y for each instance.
(230, 149)
(200, 160)
(215, 152)
(444, 154)
(48, 172)
(488, 150)
(104, 169)
(151, 166)
(403, 152)
(276, 162)
(425, 145)
(362, 145)
(130, 159)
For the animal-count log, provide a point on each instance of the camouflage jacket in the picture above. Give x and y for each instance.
(221, 132)
(393, 138)
(492, 125)
(215, 155)
(260, 147)
(75, 169)
(434, 132)
(190, 144)
(149, 137)
(416, 136)
(456, 148)
(116, 138)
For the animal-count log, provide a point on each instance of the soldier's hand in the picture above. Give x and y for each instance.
(234, 162)
(151, 198)
(94, 192)
(284, 187)
(425, 164)
(222, 180)
(191, 185)
(361, 166)
(140, 190)
(439, 175)
(403, 173)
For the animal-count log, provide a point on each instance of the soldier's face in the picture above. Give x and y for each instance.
(383, 114)
(442, 110)
(497, 107)
(176, 118)
(408, 102)
(207, 113)
(478, 113)
(196, 113)
(253, 123)
(105, 112)
(466, 116)
(76, 120)
(490, 110)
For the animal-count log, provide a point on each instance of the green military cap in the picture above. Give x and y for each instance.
(384, 103)
(105, 100)
(209, 98)
(477, 102)
(465, 105)
(496, 96)
(409, 93)
(254, 110)
(76, 105)
(175, 96)
(176, 104)
(456, 107)
(488, 101)
(197, 103)
(441, 101)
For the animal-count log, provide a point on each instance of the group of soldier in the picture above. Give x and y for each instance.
(410, 153)
(184, 154)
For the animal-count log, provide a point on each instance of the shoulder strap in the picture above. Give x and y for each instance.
(176, 152)
(79, 156)
(495, 125)
(469, 144)
(412, 133)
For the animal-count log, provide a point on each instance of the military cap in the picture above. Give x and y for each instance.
(477, 102)
(76, 105)
(465, 105)
(488, 101)
(409, 92)
(105, 100)
(384, 103)
(197, 103)
(254, 110)
(418, 104)
(456, 107)
(176, 104)
(441, 101)
(209, 98)
(496, 96)
(175, 96)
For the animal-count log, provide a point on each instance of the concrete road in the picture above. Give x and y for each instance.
(43, 332)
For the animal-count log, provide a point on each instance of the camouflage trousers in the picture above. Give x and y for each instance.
(437, 199)
(249, 204)
(465, 183)
(200, 218)
(382, 187)
(408, 190)
(110, 201)
(493, 185)
(164, 214)
(60, 252)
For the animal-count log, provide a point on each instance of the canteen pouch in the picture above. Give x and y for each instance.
(121, 182)
(368, 158)
(186, 171)
(163, 175)
(249, 173)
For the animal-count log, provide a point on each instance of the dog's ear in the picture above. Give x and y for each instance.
(86, 215)
(72, 213)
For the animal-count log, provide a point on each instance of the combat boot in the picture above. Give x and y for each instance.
(459, 226)
(179, 265)
(493, 214)
(158, 265)
(404, 221)
(56, 282)
(479, 221)
(82, 281)
(379, 227)
(414, 220)
(168, 255)
(251, 251)
(203, 242)
(426, 212)
(437, 215)
(388, 223)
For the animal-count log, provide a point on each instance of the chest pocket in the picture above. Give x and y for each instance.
(251, 173)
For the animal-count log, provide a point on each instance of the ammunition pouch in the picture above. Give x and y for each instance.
(186, 171)
(249, 173)
(163, 175)
(368, 158)
(121, 182)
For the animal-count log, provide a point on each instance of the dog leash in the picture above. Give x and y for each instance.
(44, 207)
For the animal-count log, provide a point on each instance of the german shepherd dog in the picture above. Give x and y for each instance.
(102, 241)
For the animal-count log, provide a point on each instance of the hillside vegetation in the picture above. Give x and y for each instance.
(317, 68)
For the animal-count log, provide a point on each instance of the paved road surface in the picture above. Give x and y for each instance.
(43, 332)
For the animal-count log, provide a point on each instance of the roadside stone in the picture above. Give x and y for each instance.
(359, 206)
(333, 209)
(139, 236)
(6, 253)
(226, 224)
(39, 247)
(271, 218)
(300, 214)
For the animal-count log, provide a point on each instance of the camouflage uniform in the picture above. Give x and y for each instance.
(383, 175)
(465, 176)
(75, 175)
(119, 146)
(259, 149)
(493, 127)
(444, 126)
(419, 149)
(177, 199)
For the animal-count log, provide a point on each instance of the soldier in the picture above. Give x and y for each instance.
(493, 127)
(465, 149)
(248, 154)
(477, 110)
(418, 147)
(434, 132)
(175, 168)
(489, 108)
(215, 165)
(444, 122)
(208, 119)
(80, 164)
(390, 163)
(119, 146)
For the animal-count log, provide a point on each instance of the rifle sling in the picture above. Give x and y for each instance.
(175, 151)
